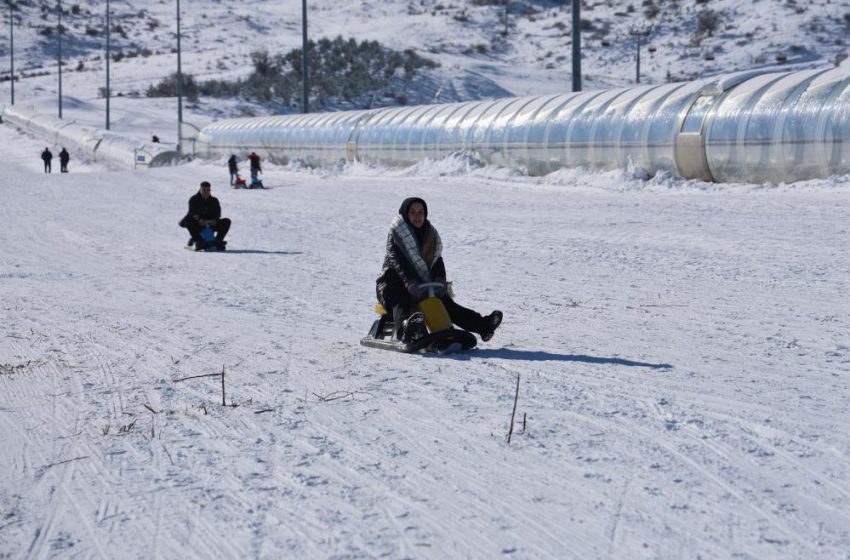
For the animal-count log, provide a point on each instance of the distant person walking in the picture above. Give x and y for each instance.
(64, 158)
(46, 157)
(233, 168)
(255, 165)
(155, 139)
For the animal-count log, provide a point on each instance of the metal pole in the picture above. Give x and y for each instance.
(576, 45)
(59, 29)
(12, 47)
(108, 55)
(179, 88)
(305, 93)
(637, 68)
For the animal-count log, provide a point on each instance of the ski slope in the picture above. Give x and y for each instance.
(681, 348)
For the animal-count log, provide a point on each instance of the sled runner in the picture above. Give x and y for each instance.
(208, 247)
(441, 336)
(207, 242)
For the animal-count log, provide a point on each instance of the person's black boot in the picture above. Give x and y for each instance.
(491, 322)
(414, 328)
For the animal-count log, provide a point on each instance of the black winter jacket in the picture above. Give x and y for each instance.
(204, 208)
(397, 269)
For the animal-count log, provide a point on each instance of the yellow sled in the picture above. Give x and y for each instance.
(442, 337)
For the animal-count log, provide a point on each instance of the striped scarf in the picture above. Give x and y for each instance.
(405, 239)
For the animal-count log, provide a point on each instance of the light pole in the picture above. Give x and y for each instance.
(637, 61)
(640, 35)
(59, 29)
(305, 91)
(108, 55)
(12, 49)
(576, 45)
(179, 89)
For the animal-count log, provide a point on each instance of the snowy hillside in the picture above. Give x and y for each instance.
(481, 52)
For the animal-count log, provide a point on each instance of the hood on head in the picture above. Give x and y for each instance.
(405, 208)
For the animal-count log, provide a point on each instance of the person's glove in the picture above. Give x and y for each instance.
(412, 289)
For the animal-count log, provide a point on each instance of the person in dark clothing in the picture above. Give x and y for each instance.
(47, 157)
(64, 158)
(155, 139)
(413, 257)
(205, 211)
(233, 168)
(255, 165)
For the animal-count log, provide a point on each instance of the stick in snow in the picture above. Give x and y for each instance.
(516, 396)
(222, 387)
(197, 376)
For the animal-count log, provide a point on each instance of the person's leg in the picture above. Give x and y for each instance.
(396, 301)
(221, 228)
(194, 230)
(467, 319)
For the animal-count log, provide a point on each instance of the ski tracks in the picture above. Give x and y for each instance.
(695, 455)
(429, 458)
(81, 453)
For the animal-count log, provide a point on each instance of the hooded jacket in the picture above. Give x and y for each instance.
(412, 254)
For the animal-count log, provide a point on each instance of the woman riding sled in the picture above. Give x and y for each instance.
(414, 257)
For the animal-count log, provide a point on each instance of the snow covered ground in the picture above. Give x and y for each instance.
(682, 352)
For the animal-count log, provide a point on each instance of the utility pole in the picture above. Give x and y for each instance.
(576, 45)
(12, 48)
(637, 61)
(59, 29)
(640, 33)
(305, 85)
(179, 89)
(108, 55)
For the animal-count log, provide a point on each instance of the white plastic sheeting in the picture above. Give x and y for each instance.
(748, 126)
(92, 143)
(781, 127)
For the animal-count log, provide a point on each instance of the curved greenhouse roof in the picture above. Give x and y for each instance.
(750, 127)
